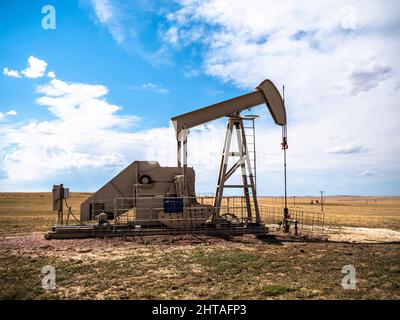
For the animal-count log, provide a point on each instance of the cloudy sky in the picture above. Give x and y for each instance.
(80, 102)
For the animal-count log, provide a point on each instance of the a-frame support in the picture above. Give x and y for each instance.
(235, 123)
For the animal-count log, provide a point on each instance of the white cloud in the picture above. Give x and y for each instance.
(11, 73)
(365, 73)
(190, 72)
(151, 87)
(82, 103)
(349, 18)
(36, 68)
(171, 35)
(86, 132)
(367, 173)
(349, 148)
(108, 16)
(103, 9)
(3, 115)
(51, 74)
(130, 24)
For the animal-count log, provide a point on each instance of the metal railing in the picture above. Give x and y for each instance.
(125, 212)
(310, 224)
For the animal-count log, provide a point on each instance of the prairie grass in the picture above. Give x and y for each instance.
(209, 268)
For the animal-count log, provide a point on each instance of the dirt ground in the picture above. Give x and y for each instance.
(361, 235)
(198, 267)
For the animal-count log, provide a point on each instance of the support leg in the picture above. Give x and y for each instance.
(185, 190)
(223, 168)
(243, 156)
(179, 153)
(251, 177)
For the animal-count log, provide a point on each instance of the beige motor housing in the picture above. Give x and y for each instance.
(154, 193)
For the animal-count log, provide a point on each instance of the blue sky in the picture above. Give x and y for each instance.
(122, 69)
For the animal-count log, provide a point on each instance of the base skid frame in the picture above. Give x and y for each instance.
(88, 231)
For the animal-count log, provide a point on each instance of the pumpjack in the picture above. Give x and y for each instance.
(163, 199)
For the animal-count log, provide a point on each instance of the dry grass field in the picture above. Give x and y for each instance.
(350, 211)
(200, 267)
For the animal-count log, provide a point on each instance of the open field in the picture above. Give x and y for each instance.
(350, 211)
(200, 267)
(22, 213)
